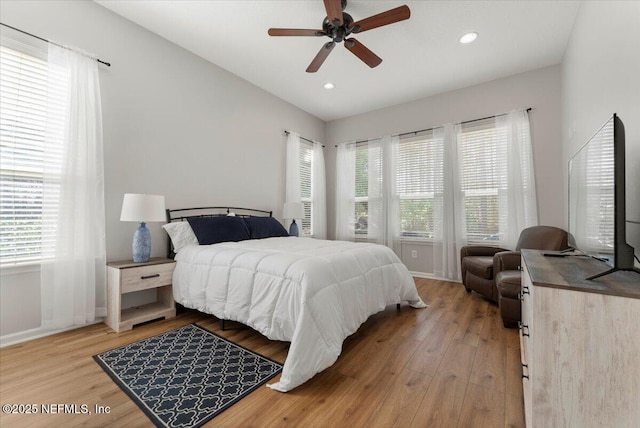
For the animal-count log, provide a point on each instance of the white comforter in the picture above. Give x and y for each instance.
(311, 292)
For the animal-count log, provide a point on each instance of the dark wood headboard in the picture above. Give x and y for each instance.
(183, 214)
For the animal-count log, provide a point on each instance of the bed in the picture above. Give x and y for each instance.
(313, 293)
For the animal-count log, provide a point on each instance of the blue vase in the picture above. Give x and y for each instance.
(141, 244)
(293, 229)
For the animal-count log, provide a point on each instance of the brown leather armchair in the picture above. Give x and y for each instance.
(476, 262)
(495, 272)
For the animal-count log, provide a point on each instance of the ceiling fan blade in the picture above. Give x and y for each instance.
(295, 32)
(362, 52)
(320, 57)
(334, 11)
(385, 18)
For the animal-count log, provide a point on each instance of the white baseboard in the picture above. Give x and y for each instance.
(431, 276)
(36, 333)
(422, 275)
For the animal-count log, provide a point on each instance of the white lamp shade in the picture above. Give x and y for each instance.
(143, 208)
(293, 210)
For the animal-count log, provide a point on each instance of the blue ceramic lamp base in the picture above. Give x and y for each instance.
(293, 229)
(141, 244)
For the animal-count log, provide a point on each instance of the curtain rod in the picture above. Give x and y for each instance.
(302, 138)
(431, 129)
(53, 43)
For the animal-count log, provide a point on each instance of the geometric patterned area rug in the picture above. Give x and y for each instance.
(187, 376)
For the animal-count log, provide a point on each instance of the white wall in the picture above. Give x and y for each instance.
(177, 125)
(174, 124)
(539, 89)
(601, 76)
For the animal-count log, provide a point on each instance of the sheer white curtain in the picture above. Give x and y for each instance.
(448, 206)
(376, 226)
(73, 275)
(468, 163)
(293, 191)
(518, 199)
(390, 155)
(292, 179)
(383, 201)
(345, 191)
(318, 193)
(383, 204)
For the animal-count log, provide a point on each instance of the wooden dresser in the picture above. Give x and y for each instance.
(580, 343)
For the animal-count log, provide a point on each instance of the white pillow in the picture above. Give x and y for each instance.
(181, 234)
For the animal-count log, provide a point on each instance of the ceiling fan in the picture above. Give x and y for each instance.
(338, 25)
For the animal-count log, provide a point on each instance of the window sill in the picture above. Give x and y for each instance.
(18, 269)
(415, 240)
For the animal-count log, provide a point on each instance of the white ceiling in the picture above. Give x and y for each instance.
(421, 56)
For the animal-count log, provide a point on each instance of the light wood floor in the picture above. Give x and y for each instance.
(452, 364)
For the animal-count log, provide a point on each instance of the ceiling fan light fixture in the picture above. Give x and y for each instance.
(338, 25)
(468, 38)
(329, 85)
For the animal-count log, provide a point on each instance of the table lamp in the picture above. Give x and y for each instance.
(142, 208)
(293, 211)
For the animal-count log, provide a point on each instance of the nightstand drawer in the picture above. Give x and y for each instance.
(144, 277)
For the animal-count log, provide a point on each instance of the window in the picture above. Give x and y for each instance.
(483, 168)
(305, 184)
(476, 184)
(418, 180)
(23, 120)
(418, 171)
(368, 178)
(362, 190)
(306, 162)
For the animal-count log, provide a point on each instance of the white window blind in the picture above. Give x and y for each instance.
(483, 160)
(418, 180)
(487, 185)
(306, 162)
(23, 120)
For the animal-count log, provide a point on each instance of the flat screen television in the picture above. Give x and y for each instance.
(597, 225)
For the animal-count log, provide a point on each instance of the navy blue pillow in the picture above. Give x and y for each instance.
(212, 230)
(265, 227)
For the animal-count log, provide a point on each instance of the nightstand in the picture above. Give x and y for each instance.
(128, 277)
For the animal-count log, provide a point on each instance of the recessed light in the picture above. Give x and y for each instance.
(468, 38)
(329, 85)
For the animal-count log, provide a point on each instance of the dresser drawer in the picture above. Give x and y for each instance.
(144, 277)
